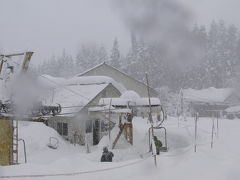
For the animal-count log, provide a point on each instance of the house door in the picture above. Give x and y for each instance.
(96, 132)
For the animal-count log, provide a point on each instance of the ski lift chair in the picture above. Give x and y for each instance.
(164, 148)
(53, 143)
(160, 127)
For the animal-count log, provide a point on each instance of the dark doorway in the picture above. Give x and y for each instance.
(96, 132)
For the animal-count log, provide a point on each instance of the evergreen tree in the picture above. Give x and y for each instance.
(102, 55)
(65, 65)
(115, 55)
(89, 56)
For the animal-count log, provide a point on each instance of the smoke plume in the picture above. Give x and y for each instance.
(165, 23)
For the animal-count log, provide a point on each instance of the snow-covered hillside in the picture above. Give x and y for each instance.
(133, 162)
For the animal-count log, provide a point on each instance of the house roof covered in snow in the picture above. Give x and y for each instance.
(209, 95)
(233, 109)
(129, 82)
(75, 93)
(56, 82)
(129, 98)
(73, 98)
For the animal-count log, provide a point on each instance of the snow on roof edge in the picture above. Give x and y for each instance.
(55, 82)
(207, 95)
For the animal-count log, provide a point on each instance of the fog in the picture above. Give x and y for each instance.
(165, 22)
(49, 26)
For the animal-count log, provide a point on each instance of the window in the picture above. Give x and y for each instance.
(88, 126)
(62, 128)
(65, 129)
(104, 126)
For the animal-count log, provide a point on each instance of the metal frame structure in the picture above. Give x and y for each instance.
(149, 135)
(24, 147)
(12, 149)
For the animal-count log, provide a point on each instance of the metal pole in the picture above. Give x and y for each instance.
(150, 116)
(24, 146)
(17, 140)
(217, 123)
(1, 64)
(53, 95)
(109, 120)
(212, 133)
(149, 99)
(195, 141)
(181, 101)
(178, 117)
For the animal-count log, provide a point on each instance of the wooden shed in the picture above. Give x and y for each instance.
(6, 141)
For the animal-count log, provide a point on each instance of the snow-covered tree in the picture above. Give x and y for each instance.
(89, 56)
(115, 55)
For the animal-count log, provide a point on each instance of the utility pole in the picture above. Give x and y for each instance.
(218, 115)
(213, 129)
(195, 139)
(109, 120)
(150, 118)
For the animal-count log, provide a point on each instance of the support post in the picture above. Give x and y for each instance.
(212, 138)
(150, 116)
(109, 120)
(195, 139)
(26, 61)
(217, 124)
(178, 117)
(1, 64)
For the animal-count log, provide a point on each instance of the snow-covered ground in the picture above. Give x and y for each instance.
(132, 162)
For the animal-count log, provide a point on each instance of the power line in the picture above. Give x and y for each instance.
(66, 88)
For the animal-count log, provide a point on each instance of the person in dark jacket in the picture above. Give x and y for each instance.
(106, 155)
(158, 144)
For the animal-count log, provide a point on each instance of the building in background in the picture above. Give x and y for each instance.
(210, 102)
(127, 81)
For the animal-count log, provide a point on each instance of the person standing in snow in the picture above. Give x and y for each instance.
(158, 144)
(106, 155)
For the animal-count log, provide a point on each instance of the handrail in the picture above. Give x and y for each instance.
(24, 146)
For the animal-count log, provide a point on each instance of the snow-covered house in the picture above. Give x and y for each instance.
(75, 96)
(232, 112)
(127, 81)
(209, 102)
(131, 100)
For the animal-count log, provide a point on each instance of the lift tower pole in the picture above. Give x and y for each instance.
(150, 118)
(10, 148)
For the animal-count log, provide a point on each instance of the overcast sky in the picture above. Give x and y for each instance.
(49, 26)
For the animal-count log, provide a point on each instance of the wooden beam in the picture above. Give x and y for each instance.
(10, 55)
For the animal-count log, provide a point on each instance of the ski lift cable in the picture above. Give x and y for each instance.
(69, 113)
(66, 88)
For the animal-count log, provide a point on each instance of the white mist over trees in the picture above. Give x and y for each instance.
(164, 45)
(218, 63)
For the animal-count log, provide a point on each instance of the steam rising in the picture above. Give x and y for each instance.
(162, 22)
